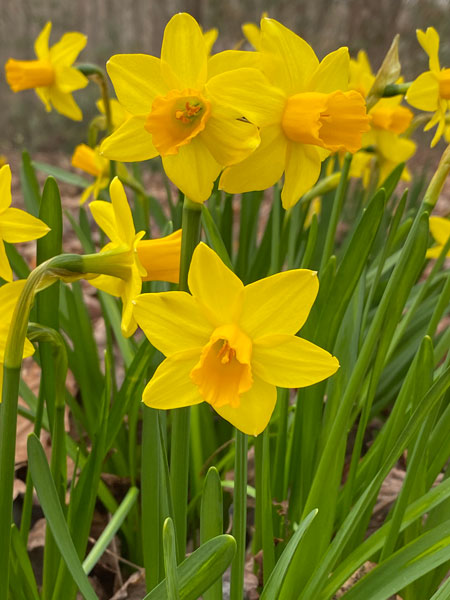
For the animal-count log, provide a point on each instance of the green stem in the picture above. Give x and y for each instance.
(179, 458)
(191, 228)
(337, 208)
(438, 180)
(150, 496)
(239, 516)
(99, 76)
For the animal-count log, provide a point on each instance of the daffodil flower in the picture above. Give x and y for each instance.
(128, 263)
(90, 161)
(440, 230)
(52, 74)
(175, 113)
(431, 90)
(310, 115)
(231, 345)
(9, 295)
(15, 225)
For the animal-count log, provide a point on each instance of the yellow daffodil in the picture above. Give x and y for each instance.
(440, 230)
(308, 114)
(15, 225)
(130, 264)
(175, 113)
(231, 345)
(431, 90)
(52, 74)
(90, 161)
(9, 295)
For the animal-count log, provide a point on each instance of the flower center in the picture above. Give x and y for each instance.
(444, 84)
(175, 119)
(224, 372)
(333, 121)
(28, 74)
(396, 119)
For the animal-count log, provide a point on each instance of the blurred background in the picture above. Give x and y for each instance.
(117, 26)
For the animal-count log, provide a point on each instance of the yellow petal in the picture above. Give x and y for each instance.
(253, 34)
(440, 229)
(161, 257)
(193, 170)
(394, 148)
(41, 43)
(287, 59)
(18, 226)
(289, 361)
(5, 187)
(172, 321)
(434, 252)
(215, 286)
(279, 304)
(332, 73)
(423, 93)
(65, 52)
(44, 96)
(131, 290)
(210, 37)
(130, 142)
(9, 295)
(5, 268)
(249, 93)
(103, 213)
(109, 284)
(256, 407)
(65, 104)
(69, 79)
(260, 170)
(122, 212)
(137, 81)
(429, 41)
(229, 140)
(303, 165)
(184, 53)
(171, 386)
(228, 60)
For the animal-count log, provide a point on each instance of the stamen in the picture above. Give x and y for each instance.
(190, 111)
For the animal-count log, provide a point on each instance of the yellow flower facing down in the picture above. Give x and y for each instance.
(9, 295)
(155, 259)
(52, 74)
(431, 90)
(231, 345)
(90, 161)
(15, 225)
(175, 113)
(440, 230)
(307, 114)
